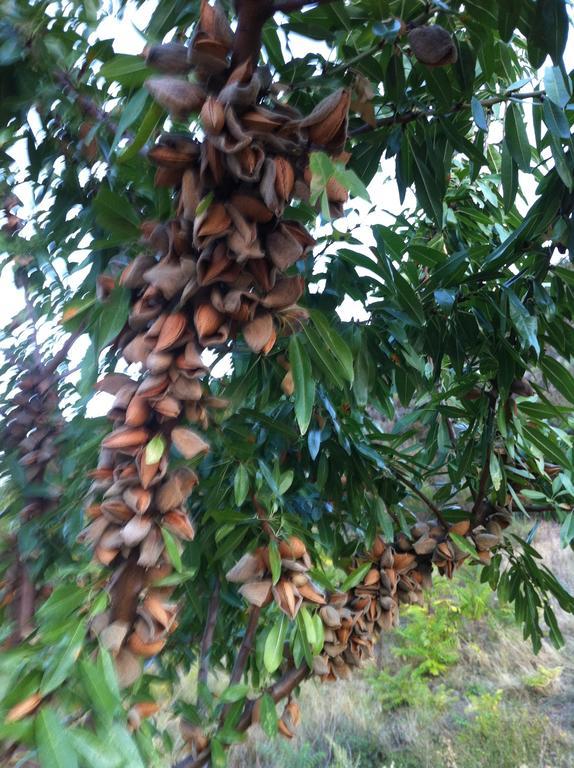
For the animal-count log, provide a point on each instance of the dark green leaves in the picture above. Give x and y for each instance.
(516, 138)
(303, 382)
(558, 376)
(550, 27)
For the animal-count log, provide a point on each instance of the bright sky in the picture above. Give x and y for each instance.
(128, 39)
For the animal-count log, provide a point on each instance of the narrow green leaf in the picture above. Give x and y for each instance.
(478, 114)
(546, 445)
(558, 376)
(304, 384)
(274, 642)
(54, 747)
(268, 718)
(516, 137)
(509, 178)
(64, 661)
(147, 126)
(172, 550)
(235, 692)
(555, 119)
(274, 561)
(355, 577)
(155, 449)
(241, 485)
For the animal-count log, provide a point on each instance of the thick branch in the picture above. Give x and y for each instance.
(251, 16)
(207, 639)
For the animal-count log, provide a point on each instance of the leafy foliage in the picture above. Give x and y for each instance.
(455, 385)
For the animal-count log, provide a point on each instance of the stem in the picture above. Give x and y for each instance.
(207, 639)
(260, 512)
(431, 505)
(246, 645)
(415, 114)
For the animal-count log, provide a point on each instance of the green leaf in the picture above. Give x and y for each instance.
(550, 27)
(355, 577)
(509, 178)
(555, 119)
(204, 204)
(130, 114)
(409, 299)
(495, 471)
(113, 317)
(349, 179)
(102, 697)
(218, 754)
(64, 660)
(464, 545)
(302, 634)
(52, 742)
(478, 114)
(94, 751)
(172, 550)
(526, 324)
(274, 561)
(304, 384)
(562, 161)
(322, 169)
(268, 718)
(115, 214)
(126, 69)
(546, 445)
(274, 642)
(558, 376)
(556, 87)
(516, 137)
(155, 449)
(567, 530)
(147, 126)
(241, 485)
(335, 344)
(235, 692)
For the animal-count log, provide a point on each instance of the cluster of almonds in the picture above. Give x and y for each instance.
(32, 426)
(212, 272)
(353, 620)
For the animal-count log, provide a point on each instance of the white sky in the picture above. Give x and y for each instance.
(128, 38)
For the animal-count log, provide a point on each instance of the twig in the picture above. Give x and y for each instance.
(433, 507)
(260, 512)
(415, 114)
(208, 632)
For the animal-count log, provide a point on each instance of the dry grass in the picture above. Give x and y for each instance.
(499, 707)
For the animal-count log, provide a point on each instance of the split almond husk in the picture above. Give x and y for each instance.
(259, 332)
(257, 592)
(23, 708)
(179, 97)
(188, 443)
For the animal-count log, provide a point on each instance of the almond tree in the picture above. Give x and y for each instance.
(196, 204)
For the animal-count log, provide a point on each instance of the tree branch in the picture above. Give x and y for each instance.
(415, 114)
(246, 645)
(431, 505)
(208, 633)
